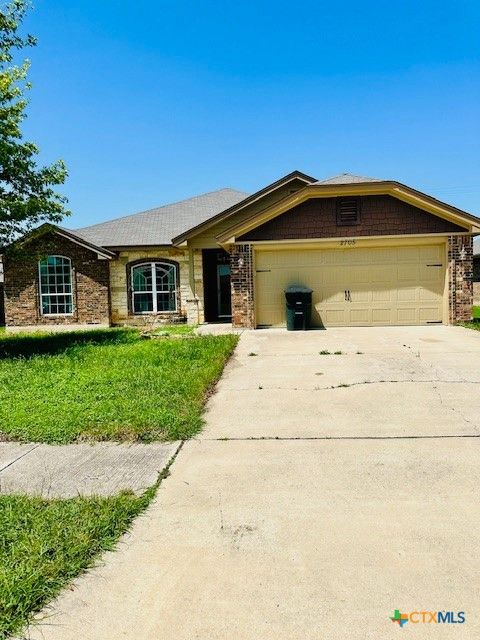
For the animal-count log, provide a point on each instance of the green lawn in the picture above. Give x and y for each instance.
(175, 330)
(44, 544)
(106, 385)
(475, 324)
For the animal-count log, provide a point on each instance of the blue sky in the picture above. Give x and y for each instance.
(149, 102)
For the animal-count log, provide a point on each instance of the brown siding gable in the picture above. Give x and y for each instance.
(381, 215)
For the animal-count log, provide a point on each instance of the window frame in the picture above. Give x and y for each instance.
(42, 295)
(154, 291)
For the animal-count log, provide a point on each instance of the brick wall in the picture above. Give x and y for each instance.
(90, 284)
(460, 278)
(380, 215)
(241, 265)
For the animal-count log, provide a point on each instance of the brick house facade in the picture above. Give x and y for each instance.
(91, 284)
(294, 214)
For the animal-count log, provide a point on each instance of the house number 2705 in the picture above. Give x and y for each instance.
(347, 243)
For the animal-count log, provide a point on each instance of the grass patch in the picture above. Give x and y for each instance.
(124, 388)
(44, 544)
(475, 324)
(471, 325)
(174, 330)
(26, 345)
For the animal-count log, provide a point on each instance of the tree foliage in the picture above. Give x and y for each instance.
(27, 195)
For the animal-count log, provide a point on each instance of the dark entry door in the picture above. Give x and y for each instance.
(224, 293)
(216, 285)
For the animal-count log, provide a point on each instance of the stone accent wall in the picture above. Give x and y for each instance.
(241, 265)
(90, 284)
(460, 278)
(190, 302)
(476, 293)
(379, 215)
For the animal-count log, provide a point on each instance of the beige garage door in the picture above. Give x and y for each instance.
(354, 286)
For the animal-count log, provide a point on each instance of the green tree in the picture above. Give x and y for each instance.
(27, 195)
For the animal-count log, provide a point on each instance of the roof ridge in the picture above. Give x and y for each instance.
(356, 176)
(163, 206)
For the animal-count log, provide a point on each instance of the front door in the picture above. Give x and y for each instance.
(216, 284)
(224, 293)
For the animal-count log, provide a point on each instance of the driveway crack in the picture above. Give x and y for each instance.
(356, 384)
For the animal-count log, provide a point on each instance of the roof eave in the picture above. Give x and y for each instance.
(384, 187)
(48, 227)
(294, 175)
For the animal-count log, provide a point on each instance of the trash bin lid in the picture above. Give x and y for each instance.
(298, 289)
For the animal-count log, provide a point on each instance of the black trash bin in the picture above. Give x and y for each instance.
(298, 307)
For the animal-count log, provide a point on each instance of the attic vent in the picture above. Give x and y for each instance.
(348, 211)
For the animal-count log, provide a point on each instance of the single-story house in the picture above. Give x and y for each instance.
(374, 252)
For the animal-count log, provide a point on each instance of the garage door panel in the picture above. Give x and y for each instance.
(381, 295)
(360, 316)
(332, 317)
(387, 285)
(332, 296)
(408, 273)
(429, 274)
(360, 296)
(382, 316)
(428, 314)
(406, 315)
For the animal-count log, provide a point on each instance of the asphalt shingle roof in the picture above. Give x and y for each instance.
(158, 226)
(347, 178)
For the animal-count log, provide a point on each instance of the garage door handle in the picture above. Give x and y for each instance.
(348, 296)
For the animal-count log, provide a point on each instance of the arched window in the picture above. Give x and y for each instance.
(154, 287)
(55, 279)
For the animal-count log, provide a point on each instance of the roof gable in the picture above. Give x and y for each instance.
(331, 189)
(265, 192)
(48, 227)
(380, 215)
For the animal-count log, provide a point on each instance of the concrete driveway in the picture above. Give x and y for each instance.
(367, 503)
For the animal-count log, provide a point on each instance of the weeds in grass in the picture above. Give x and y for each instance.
(28, 345)
(44, 544)
(123, 388)
(475, 325)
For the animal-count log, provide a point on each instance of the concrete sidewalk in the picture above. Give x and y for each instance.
(65, 471)
(306, 537)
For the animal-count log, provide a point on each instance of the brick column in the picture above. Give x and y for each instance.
(460, 278)
(241, 265)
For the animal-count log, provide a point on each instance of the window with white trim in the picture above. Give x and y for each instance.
(55, 280)
(154, 287)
